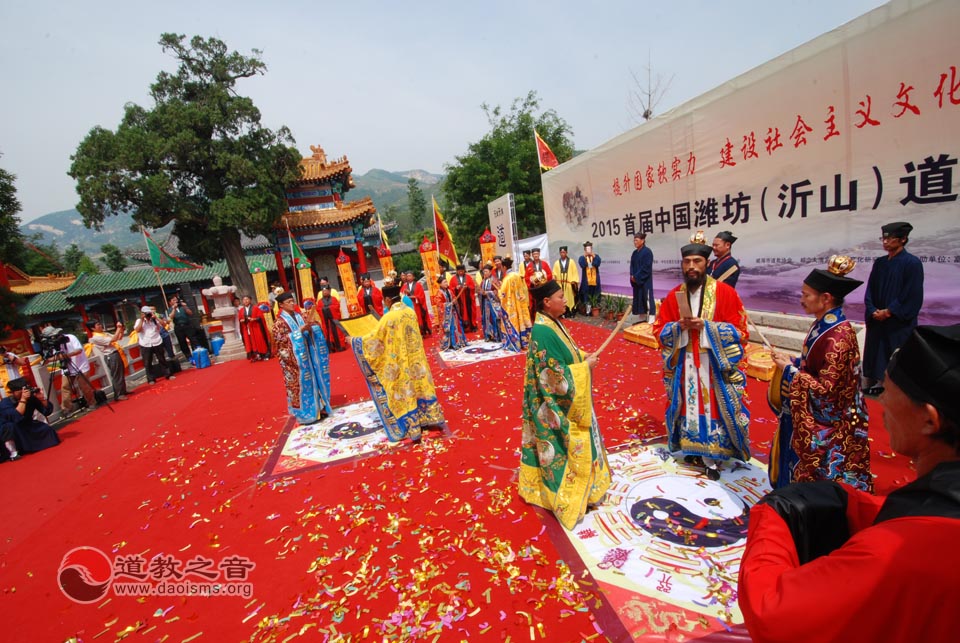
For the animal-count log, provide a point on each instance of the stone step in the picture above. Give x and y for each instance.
(785, 339)
(797, 323)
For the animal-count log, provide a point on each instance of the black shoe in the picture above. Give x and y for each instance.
(693, 459)
(713, 473)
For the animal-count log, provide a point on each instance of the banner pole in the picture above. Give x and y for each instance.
(293, 264)
(156, 271)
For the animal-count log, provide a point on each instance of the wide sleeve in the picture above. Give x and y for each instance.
(823, 376)
(868, 295)
(782, 600)
(910, 298)
(644, 267)
(561, 385)
(730, 310)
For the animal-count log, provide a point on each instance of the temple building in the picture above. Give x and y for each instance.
(322, 223)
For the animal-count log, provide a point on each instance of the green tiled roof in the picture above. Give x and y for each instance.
(46, 303)
(140, 280)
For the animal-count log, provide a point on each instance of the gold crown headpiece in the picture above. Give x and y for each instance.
(698, 237)
(538, 278)
(840, 265)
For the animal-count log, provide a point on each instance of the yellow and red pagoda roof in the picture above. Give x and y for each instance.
(342, 214)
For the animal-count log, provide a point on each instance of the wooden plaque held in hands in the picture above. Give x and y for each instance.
(684, 303)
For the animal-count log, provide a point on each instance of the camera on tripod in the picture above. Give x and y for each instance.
(52, 346)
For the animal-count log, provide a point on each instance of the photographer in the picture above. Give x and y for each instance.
(180, 314)
(12, 364)
(151, 344)
(107, 345)
(67, 352)
(20, 431)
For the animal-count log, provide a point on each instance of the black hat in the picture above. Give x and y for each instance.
(927, 368)
(563, 248)
(324, 278)
(542, 287)
(17, 384)
(900, 229)
(696, 249)
(365, 275)
(495, 257)
(282, 297)
(833, 279)
(460, 266)
(639, 235)
(391, 292)
(726, 236)
(588, 243)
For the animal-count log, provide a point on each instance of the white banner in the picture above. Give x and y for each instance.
(503, 225)
(539, 242)
(803, 157)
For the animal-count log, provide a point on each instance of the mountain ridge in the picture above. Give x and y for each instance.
(64, 227)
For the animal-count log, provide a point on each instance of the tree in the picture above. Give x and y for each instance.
(11, 241)
(11, 251)
(72, 257)
(88, 266)
(113, 257)
(417, 204)
(40, 259)
(199, 158)
(644, 98)
(504, 160)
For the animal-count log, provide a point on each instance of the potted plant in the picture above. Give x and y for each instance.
(593, 300)
(622, 305)
(610, 306)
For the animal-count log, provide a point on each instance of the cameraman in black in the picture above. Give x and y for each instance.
(183, 327)
(20, 431)
(148, 329)
(66, 351)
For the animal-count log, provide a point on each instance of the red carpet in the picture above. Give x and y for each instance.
(427, 543)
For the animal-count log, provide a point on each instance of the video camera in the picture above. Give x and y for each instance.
(50, 346)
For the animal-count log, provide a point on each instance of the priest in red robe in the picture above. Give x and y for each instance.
(253, 330)
(464, 291)
(328, 312)
(369, 297)
(414, 291)
(826, 562)
(702, 330)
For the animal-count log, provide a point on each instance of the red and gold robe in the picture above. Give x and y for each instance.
(716, 423)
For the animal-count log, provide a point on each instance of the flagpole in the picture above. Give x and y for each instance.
(293, 263)
(436, 237)
(156, 272)
(536, 146)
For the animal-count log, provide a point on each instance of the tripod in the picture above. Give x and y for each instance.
(77, 399)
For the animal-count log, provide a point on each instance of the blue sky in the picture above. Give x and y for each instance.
(392, 85)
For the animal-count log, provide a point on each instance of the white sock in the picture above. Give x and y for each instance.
(11, 447)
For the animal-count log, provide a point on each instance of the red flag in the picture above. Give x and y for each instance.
(548, 160)
(445, 248)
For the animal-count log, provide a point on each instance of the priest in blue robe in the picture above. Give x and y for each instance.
(893, 300)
